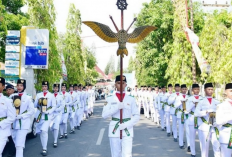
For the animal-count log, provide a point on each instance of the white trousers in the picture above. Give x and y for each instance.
(145, 108)
(156, 116)
(205, 144)
(121, 147)
(225, 152)
(187, 132)
(161, 113)
(3, 140)
(181, 132)
(174, 125)
(192, 137)
(167, 114)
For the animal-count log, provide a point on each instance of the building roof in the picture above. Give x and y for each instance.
(100, 72)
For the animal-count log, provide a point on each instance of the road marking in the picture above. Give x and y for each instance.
(99, 140)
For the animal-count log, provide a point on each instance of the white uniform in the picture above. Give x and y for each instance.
(149, 102)
(224, 119)
(182, 119)
(86, 101)
(204, 129)
(43, 120)
(55, 123)
(90, 101)
(7, 117)
(135, 94)
(171, 100)
(167, 112)
(64, 119)
(155, 103)
(144, 102)
(121, 147)
(162, 99)
(93, 100)
(72, 108)
(82, 104)
(190, 107)
(21, 126)
(77, 117)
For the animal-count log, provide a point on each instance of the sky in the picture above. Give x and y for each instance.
(99, 11)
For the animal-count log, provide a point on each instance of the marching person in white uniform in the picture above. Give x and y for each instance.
(76, 117)
(149, 102)
(46, 104)
(121, 147)
(182, 116)
(207, 127)
(7, 116)
(162, 100)
(167, 110)
(64, 119)
(171, 102)
(92, 98)
(224, 119)
(24, 110)
(55, 124)
(85, 99)
(191, 107)
(155, 103)
(72, 108)
(135, 94)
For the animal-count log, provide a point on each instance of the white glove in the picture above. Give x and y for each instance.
(19, 117)
(121, 105)
(122, 126)
(46, 112)
(186, 112)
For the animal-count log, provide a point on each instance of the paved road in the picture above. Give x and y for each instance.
(149, 141)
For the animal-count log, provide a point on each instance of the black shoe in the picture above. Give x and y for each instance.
(10, 155)
(44, 153)
(162, 129)
(181, 147)
(175, 139)
(78, 128)
(159, 126)
(172, 133)
(75, 127)
(89, 115)
(61, 136)
(193, 155)
(72, 132)
(165, 128)
(189, 150)
(54, 145)
(156, 123)
(66, 135)
(168, 134)
(80, 123)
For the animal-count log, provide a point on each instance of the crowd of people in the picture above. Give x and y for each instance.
(53, 111)
(181, 114)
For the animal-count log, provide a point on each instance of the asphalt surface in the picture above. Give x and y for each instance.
(149, 141)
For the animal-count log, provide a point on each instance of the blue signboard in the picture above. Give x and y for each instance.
(36, 57)
(12, 40)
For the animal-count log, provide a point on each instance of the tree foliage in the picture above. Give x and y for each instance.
(74, 57)
(43, 16)
(216, 38)
(165, 55)
(11, 18)
(153, 53)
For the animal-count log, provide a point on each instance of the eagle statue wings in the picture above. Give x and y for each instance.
(122, 37)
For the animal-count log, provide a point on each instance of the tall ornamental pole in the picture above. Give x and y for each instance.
(122, 37)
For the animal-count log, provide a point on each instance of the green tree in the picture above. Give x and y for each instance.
(131, 65)
(11, 18)
(74, 57)
(43, 16)
(216, 38)
(110, 66)
(153, 53)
